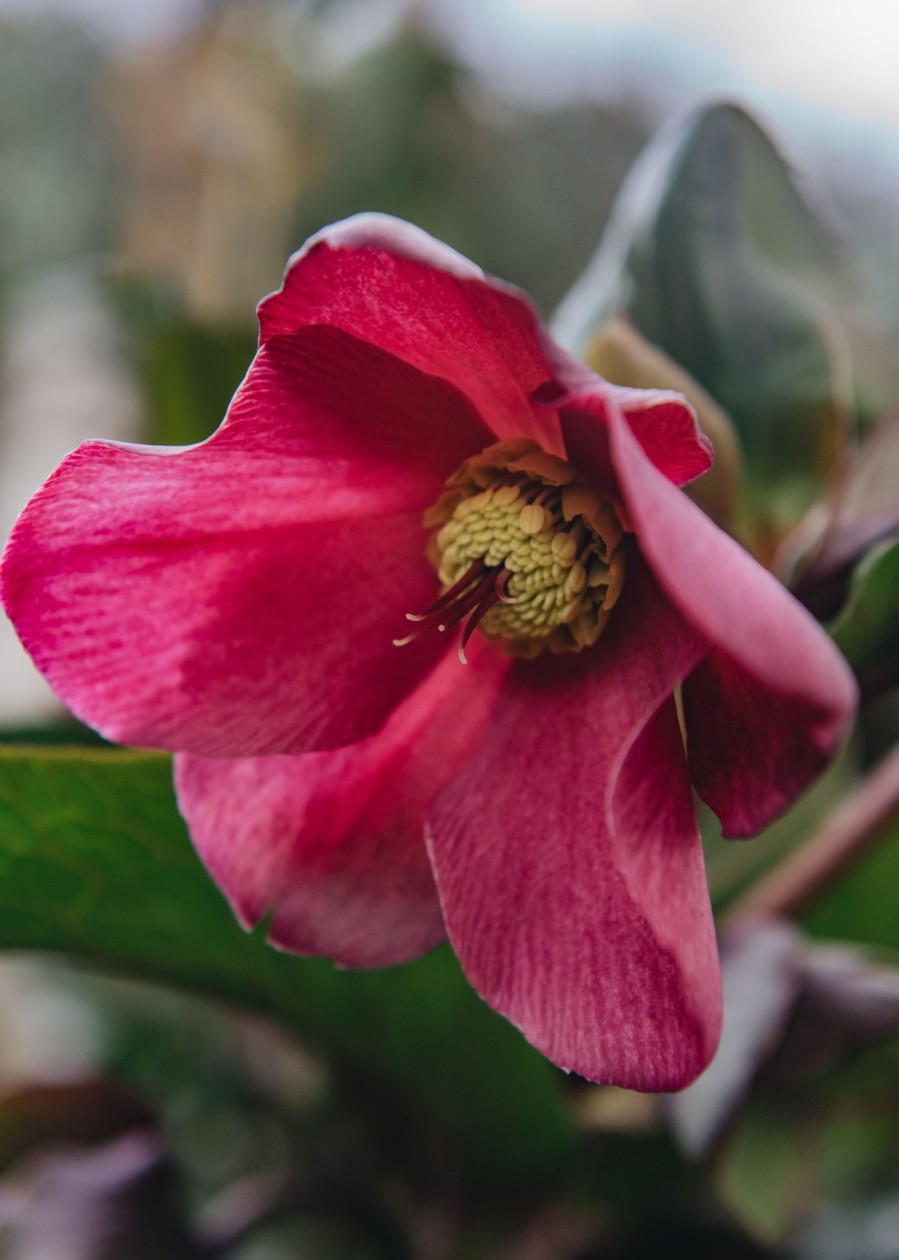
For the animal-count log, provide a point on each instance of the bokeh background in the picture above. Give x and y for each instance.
(159, 161)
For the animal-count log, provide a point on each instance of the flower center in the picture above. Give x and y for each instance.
(524, 552)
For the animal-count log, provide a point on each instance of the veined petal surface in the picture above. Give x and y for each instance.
(331, 844)
(394, 286)
(769, 707)
(199, 599)
(662, 421)
(568, 860)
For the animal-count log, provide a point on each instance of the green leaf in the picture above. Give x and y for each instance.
(822, 1139)
(716, 257)
(96, 863)
(862, 906)
(860, 513)
(762, 1177)
(189, 370)
(867, 631)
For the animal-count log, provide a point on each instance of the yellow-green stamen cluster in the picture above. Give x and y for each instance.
(532, 554)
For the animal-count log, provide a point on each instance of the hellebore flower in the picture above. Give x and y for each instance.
(408, 440)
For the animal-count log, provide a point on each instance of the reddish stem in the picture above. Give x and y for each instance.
(855, 826)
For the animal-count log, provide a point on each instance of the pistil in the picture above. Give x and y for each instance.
(472, 597)
(524, 551)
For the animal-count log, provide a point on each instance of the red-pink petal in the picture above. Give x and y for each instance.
(569, 864)
(391, 284)
(771, 705)
(241, 597)
(664, 423)
(666, 427)
(752, 750)
(324, 394)
(331, 844)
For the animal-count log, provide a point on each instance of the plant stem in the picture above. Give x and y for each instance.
(855, 826)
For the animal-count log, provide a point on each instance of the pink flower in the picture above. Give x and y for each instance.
(238, 602)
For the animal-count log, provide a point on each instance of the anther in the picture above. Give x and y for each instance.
(525, 552)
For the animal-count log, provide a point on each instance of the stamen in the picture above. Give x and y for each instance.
(471, 625)
(501, 587)
(462, 607)
(545, 496)
(455, 604)
(448, 596)
(559, 538)
(461, 600)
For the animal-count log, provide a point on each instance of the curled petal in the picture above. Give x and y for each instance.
(752, 750)
(769, 707)
(330, 844)
(568, 860)
(662, 421)
(394, 286)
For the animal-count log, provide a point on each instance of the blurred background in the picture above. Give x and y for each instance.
(159, 161)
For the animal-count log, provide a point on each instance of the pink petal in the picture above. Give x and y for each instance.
(391, 284)
(241, 597)
(770, 706)
(752, 750)
(324, 394)
(331, 844)
(664, 423)
(568, 860)
(666, 427)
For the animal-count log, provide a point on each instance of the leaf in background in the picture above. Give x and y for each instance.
(96, 863)
(833, 1141)
(761, 976)
(190, 370)
(793, 1010)
(59, 182)
(716, 257)
(868, 630)
(863, 510)
(763, 1174)
(862, 907)
(848, 1001)
(96, 1203)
